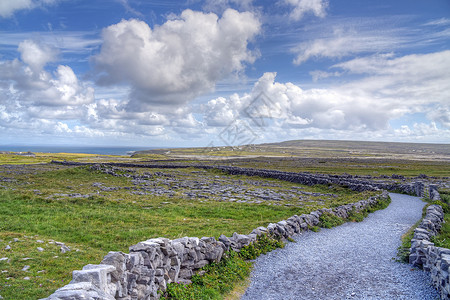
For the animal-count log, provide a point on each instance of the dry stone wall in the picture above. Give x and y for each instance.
(357, 183)
(424, 254)
(151, 265)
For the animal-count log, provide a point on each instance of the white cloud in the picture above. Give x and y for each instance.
(9, 7)
(35, 99)
(178, 60)
(221, 111)
(439, 22)
(441, 115)
(391, 88)
(342, 43)
(67, 42)
(338, 38)
(302, 7)
(416, 79)
(36, 54)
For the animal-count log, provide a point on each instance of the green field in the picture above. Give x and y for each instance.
(94, 212)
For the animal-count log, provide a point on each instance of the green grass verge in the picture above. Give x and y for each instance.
(220, 278)
(443, 239)
(328, 220)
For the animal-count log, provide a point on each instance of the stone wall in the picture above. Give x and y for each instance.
(354, 182)
(151, 265)
(433, 192)
(424, 254)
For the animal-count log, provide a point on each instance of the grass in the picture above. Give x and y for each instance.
(113, 220)
(328, 220)
(221, 278)
(443, 239)
(34, 206)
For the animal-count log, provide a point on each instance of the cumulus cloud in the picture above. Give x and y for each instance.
(174, 62)
(303, 7)
(390, 88)
(36, 54)
(35, 100)
(42, 88)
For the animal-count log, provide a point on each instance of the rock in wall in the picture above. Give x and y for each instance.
(424, 254)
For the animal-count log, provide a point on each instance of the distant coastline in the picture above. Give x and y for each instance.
(76, 149)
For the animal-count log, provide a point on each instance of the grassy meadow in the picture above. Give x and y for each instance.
(42, 203)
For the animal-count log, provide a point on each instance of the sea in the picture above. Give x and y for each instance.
(77, 149)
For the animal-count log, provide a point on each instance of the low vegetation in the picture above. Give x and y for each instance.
(220, 278)
(93, 212)
(66, 204)
(443, 239)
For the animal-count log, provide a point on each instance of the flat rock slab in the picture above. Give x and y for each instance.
(352, 261)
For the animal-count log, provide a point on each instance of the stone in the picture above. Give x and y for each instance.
(27, 278)
(25, 268)
(185, 274)
(3, 258)
(98, 275)
(8, 247)
(226, 241)
(200, 264)
(64, 249)
(40, 249)
(115, 259)
(79, 291)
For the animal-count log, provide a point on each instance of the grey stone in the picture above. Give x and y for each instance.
(98, 275)
(200, 264)
(79, 291)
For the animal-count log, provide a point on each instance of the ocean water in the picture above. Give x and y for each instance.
(76, 149)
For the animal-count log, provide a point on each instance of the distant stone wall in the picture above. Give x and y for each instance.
(356, 183)
(424, 254)
(151, 265)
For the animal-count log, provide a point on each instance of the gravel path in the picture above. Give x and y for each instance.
(352, 261)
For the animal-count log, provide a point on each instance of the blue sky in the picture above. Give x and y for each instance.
(225, 72)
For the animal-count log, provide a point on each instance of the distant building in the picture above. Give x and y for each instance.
(27, 154)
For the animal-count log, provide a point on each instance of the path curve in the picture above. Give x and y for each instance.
(352, 261)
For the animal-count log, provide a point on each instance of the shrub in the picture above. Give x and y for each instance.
(328, 220)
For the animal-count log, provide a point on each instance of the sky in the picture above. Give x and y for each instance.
(201, 73)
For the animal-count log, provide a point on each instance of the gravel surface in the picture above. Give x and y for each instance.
(352, 261)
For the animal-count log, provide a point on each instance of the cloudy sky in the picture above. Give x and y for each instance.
(225, 72)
